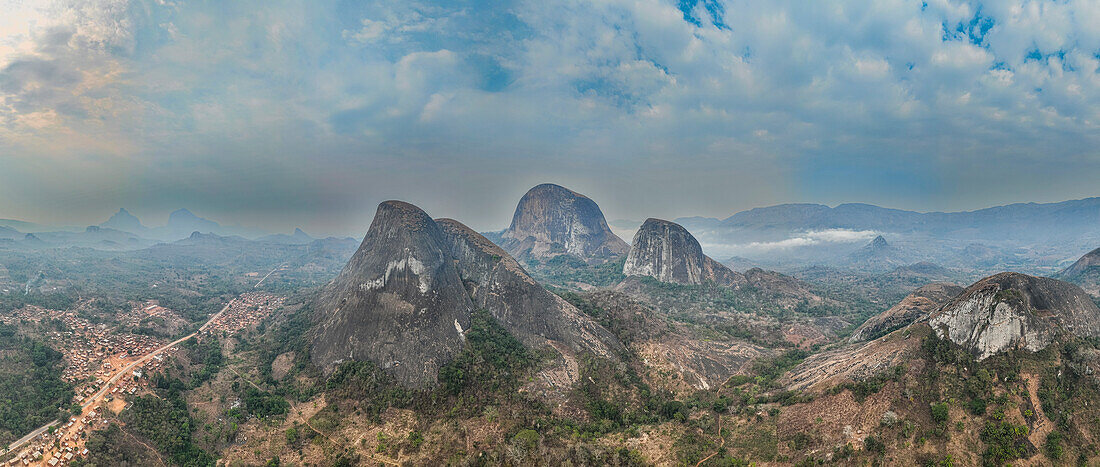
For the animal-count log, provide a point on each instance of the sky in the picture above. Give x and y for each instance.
(281, 114)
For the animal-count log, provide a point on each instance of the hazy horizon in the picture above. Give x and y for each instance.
(621, 226)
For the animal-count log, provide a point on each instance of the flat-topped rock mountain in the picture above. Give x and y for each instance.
(551, 220)
(913, 307)
(667, 252)
(1085, 272)
(1011, 310)
(405, 298)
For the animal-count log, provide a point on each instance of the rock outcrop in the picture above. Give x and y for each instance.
(551, 220)
(497, 283)
(877, 254)
(1085, 272)
(405, 298)
(399, 302)
(667, 252)
(912, 308)
(1015, 311)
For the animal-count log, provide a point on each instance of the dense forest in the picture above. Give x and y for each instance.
(31, 388)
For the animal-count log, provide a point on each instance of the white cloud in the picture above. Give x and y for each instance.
(720, 118)
(800, 239)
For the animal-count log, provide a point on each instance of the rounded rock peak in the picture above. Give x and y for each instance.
(550, 189)
(654, 226)
(402, 213)
(551, 220)
(398, 205)
(654, 222)
(547, 202)
(668, 252)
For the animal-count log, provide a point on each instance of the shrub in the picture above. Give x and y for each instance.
(1053, 446)
(940, 413)
(1004, 441)
(976, 406)
(872, 444)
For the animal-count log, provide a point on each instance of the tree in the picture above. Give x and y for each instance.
(940, 413)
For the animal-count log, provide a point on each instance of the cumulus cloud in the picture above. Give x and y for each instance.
(701, 107)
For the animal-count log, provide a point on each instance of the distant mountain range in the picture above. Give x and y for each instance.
(1036, 238)
(182, 222)
(124, 231)
(1041, 238)
(977, 224)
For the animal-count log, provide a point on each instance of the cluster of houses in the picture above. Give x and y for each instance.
(60, 446)
(95, 354)
(89, 348)
(140, 311)
(246, 310)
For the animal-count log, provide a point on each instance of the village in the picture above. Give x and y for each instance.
(107, 367)
(244, 311)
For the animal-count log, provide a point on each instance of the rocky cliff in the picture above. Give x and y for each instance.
(1010, 310)
(497, 283)
(551, 220)
(669, 253)
(404, 299)
(913, 307)
(1085, 272)
(399, 302)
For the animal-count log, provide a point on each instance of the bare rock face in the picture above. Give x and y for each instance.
(667, 252)
(405, 298)
(1010, 310)
(551, 220)
(399, 302)
(912, 308)
(497, 283)
(1085, 272)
